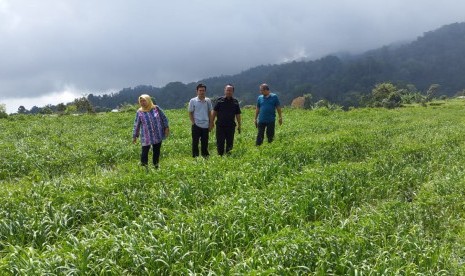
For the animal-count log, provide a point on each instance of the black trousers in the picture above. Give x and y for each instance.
(224, 134)
(199, 134)
(144, 157)
(261, 132)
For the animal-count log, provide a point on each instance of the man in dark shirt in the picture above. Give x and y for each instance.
(226, 110)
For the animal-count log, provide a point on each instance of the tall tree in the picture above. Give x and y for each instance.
(22, 110)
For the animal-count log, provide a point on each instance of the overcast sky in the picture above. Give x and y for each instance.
(54, 50)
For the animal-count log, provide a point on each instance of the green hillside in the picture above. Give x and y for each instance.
(348, 193)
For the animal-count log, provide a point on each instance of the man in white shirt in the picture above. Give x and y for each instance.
(200, 112)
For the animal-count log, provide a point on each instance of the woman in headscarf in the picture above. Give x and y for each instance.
(152, 126)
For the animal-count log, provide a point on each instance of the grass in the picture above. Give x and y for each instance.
(368, 191)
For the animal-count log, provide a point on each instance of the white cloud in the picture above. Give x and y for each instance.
(8, 20)
(54, 98)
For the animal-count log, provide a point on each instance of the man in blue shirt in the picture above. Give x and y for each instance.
(267, 105)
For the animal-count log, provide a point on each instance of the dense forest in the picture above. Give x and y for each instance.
(437, 57)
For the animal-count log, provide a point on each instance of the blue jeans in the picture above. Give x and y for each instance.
(269, 127)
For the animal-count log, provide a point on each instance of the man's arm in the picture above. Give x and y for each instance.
(257, 110)
(191, 117)
(190, 108)
(238, 119)
(212, 119)
(280, 115)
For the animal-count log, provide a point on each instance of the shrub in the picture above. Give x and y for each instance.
(3, 113)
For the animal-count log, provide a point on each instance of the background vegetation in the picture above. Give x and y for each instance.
(366, 191)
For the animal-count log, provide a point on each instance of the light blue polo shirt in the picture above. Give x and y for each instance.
(201, 110)
(267, 107)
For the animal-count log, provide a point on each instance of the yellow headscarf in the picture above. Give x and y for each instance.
(149, 101)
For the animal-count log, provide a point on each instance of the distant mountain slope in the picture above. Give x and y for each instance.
(437, 57)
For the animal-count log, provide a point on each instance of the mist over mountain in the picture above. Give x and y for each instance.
(436, 57)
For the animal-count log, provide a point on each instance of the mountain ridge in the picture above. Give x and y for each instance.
(434, 57)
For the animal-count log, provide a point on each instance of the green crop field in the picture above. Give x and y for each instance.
(363, 192)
